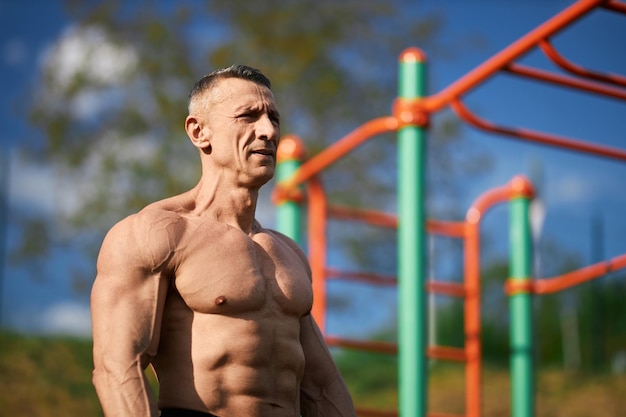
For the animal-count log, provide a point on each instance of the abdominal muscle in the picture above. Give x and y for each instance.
(230, 366)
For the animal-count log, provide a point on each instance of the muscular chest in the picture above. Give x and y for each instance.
(221, 270)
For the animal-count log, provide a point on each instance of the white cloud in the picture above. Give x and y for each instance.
(88, 51)
(67, 318)
(30, 185)
(91, 54)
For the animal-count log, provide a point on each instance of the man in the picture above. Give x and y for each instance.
(196, 287)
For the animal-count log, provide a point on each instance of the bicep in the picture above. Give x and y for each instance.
(126, 301)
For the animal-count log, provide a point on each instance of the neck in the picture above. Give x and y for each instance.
(235, 206)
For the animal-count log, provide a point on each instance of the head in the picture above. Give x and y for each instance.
(234, 122)
(209, 81)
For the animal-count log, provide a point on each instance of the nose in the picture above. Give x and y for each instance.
(266, 129)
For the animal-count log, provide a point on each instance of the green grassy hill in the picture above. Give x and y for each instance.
(51, 377)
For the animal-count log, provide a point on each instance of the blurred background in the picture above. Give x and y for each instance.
(91, 129)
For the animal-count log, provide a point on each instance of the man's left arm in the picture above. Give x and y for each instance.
(323, 391)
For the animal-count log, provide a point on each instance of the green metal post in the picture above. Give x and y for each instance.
(521, 311)
(289, 211)
(412, 322)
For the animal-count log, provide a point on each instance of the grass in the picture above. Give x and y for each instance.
(50, 377)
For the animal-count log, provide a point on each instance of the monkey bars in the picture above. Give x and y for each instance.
(411, 112)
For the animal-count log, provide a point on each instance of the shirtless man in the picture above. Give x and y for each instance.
(194, 286)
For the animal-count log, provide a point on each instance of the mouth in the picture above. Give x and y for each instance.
(264, 152)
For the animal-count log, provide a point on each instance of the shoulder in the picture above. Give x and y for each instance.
(290, 243)
(147, 238)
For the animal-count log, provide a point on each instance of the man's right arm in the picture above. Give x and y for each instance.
(126, 304)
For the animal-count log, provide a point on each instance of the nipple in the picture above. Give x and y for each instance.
(220, 300)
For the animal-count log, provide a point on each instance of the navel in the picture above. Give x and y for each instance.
(220, 300)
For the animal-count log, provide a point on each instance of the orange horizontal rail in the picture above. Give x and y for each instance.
(584, 85)
(373, 217)
(616, 6)
(447, 353)
(337, 150)
(539, 137)
(445, 228)
(509, 54)
(562, 282)
(551, 52)
(375, 346)
(447, 288)
(366, 277)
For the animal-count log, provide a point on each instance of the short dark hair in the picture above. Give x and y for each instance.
(234, 71)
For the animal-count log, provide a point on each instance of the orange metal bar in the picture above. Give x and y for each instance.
(366, 345)
(539, 137)
(509, 54)
(616, 6)
(518, 186)
(338, 149)
(373, 217)
(571, 279)
(447, 353)
(317, 249)
(443, 228)
(589, 86)
(569, 66)
(366, 277)
(447, 288)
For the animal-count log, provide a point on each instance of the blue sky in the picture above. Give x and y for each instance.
(575, 187)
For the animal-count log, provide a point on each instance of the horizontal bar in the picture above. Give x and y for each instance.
(550, 51)
(584, 85)
(561, 282)
(447, 353)
(538, 137)
(337, 150)
(616, 6)
(366, 277)
(373, 217)
(448, 288)
(375, 346)
(509, 54)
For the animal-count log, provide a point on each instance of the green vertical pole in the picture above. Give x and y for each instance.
(412, 321)
(289, 211)
(521, 311)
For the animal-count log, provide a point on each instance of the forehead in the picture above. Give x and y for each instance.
(237, 92)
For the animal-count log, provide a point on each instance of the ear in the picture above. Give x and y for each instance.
(198, 133)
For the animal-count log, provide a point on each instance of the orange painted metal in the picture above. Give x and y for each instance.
(373, 217)
(590, 86)
(365, 277)
(447, 288)
(616, 6)
(444, 228)
(339, 149)
(447, 353)
(518, 186)
(569, 66)
(539, 137)
(571, 279)
(514, 51)
(317, 249)
(365, 345)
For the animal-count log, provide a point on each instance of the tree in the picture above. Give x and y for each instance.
(111, 98)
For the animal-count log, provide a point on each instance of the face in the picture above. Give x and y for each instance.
(242, 125)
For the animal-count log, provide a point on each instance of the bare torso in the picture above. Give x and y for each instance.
(230, 332)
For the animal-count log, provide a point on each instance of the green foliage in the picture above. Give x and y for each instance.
(111, 124)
